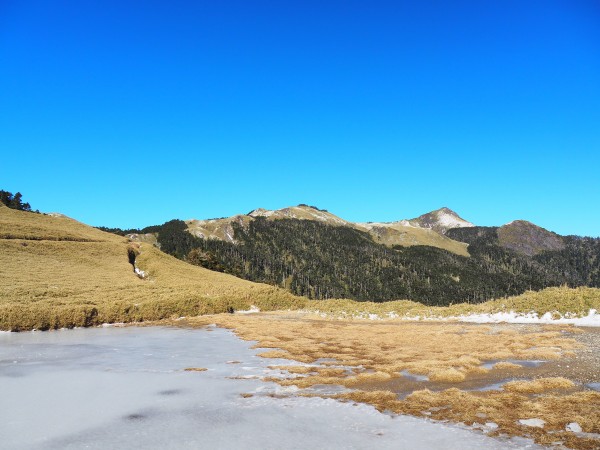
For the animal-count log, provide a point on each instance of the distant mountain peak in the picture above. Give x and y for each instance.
(528, 238)
(302, 211)
(522, 222)
(445, 210)
(440, 220)
(260, 212)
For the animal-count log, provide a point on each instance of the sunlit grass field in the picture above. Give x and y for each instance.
(56, 272)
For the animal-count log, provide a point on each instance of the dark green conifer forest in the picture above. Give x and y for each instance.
(14, 201)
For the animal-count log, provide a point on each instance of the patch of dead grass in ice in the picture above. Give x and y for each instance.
(502, 408)
(538, 386)
(505, 365)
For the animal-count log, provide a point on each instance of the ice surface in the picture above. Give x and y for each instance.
(521, 362)
(413, 376)
(537, 423)
(253, 309)
(126, 388)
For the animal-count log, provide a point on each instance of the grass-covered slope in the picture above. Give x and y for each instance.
(392, 234)
(56, 272)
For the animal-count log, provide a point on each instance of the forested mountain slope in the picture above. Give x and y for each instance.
(323, 261)
(576, 259)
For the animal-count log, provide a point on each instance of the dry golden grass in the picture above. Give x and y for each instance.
(450, 375)
(380, 399)
(447, 352)
(405, 235)
(505, 365)
(57, 273)
(275, 354)
(216, 228)
(331, 372)
(538, 386)
(296, 369)
(196, 369)
(21, 225)
(304, 382)
(367, 377)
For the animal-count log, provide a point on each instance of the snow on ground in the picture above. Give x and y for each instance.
(451, 221)
(253, 309)
(126, 388)
(536, 423)
(592, 319)
(574, 427)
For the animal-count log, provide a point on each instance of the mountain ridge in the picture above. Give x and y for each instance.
(402, 232)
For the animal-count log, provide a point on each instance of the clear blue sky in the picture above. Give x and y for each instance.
(131, 113)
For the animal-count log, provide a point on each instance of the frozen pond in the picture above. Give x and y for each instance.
(126, 388)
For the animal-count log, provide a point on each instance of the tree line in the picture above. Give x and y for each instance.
(14, 201)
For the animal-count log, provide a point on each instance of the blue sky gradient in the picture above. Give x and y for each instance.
(133, 113)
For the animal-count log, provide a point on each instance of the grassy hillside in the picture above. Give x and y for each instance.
(56, 272)
(406, 236)
(220, 229)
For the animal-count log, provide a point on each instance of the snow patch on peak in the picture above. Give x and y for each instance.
(371, 225)
(261, 212)
(451, 220)
(303, 212)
